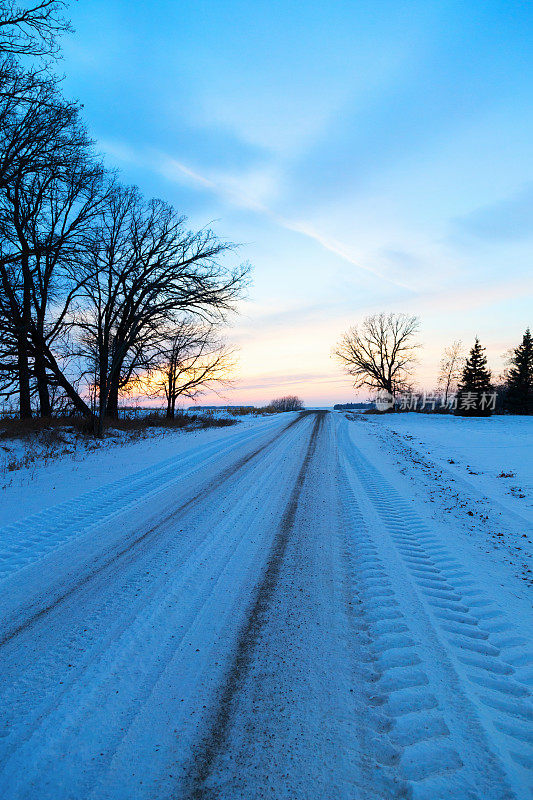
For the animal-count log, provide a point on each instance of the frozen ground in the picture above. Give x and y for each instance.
(474, 473)
(493, 455)
(292, 608)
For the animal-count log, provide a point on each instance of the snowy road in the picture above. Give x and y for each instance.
(264, 616)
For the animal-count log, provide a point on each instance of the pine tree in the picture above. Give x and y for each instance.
(475, 396)
(520, 377)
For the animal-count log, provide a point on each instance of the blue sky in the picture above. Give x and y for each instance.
(369, 156)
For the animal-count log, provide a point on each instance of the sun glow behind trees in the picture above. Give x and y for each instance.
(100, 288)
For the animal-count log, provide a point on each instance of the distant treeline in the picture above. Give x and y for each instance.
(352, 406)
(381, 354)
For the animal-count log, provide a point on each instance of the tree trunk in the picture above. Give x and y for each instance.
(45, 408)
(22, 348)
(112, 398)
(101, 418)
(170, 411)
(24, 377)
(79, 404)
(51, 363)
(103, 395)
(170, 393)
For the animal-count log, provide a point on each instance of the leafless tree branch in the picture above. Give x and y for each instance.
(381, 352)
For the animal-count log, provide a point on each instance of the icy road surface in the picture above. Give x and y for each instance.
(271, 614)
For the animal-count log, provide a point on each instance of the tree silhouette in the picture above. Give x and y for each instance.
(381, 352)
(475, 389)
(193, 359)
(289, 403)
(34, 30)
(520, 377)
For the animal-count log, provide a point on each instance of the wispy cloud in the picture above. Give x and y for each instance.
(230, 191)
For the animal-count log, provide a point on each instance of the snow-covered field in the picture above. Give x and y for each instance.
(493, 454)
(303, 606)
(474, 473)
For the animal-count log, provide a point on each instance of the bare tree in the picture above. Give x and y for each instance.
(451, 366)
(31, 29)
(92, 276)
(47, 204)
(146, 271)
(289, 403)
(32, 117)
(193, 360)
(381, 352)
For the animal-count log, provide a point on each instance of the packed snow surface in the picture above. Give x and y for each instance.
(310, 606)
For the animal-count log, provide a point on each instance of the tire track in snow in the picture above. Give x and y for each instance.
(301, 724)
(215, 739)
(144, 644)
(31, 538)
(487, 653)
(419, 750)
(12, 627)
(174, 606)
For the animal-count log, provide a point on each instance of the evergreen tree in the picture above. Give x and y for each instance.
(520, 377)
(475, 396)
